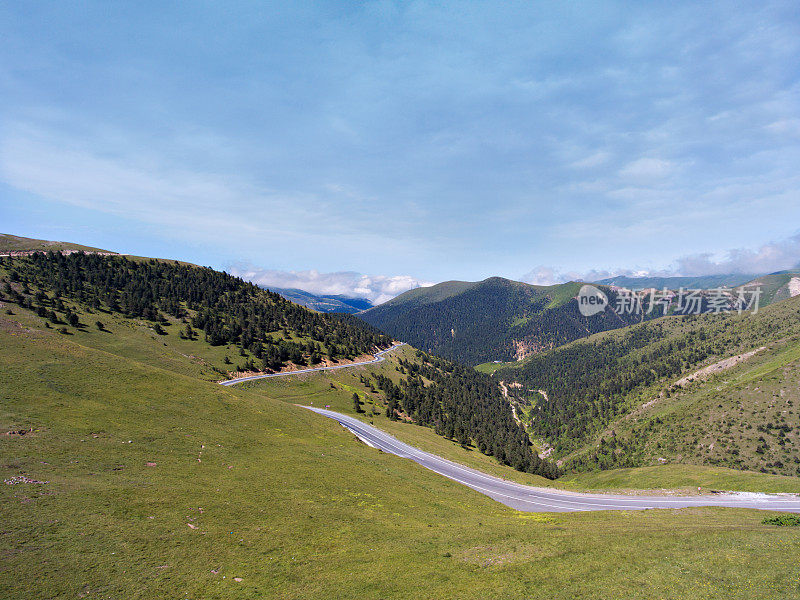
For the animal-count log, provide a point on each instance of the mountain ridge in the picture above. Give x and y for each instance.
(10, 243)
(675, 282)
(493, 319)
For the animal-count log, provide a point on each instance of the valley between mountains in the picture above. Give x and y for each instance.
(131, 472)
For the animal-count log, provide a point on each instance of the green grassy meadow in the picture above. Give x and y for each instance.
(162, 485)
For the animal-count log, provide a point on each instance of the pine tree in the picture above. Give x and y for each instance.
(357, 403)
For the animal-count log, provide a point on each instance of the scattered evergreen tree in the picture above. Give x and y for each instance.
(463, 405)
(225, 308)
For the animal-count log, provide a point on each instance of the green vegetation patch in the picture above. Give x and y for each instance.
(213, 311)
(126, 475)
(783, 520)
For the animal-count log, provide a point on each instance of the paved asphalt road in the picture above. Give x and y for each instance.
(535, 499)
(378, 358)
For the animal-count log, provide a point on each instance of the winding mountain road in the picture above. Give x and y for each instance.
(524, 497)
(379, 357)
(536, 499)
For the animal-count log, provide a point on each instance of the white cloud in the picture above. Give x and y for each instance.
(543, 275)
(647, 168)
(768, 258)
(376, 288)
(139, 187)
(790, 127)
(774, 256)
(593, 160)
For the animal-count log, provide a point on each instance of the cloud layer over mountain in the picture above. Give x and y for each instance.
(375, 288)
(767, 258)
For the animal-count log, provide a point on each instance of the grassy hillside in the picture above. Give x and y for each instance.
(15, 243)
(431, 294)
(633, 397)
(161, 485)
(136, 339)
(777, 286)
(485, 434)
(743, 418)
(495, 319)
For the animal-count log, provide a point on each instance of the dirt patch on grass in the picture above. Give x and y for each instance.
(12, 327)
(794, 287)
(20, 432)
(717, 367)
(704, 373)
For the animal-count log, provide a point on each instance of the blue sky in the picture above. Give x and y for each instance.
(368, 146)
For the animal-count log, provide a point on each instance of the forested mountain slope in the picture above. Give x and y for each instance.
(226, 309)
(462, 405)
(502, 320)
(495, 319)
(633, 397)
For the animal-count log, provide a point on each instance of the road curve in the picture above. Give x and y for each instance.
(379, 357)
(536, 499)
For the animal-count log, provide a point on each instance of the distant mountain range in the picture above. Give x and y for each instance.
(502, 320)
(774, 286)
(325, 304)
(702, 282)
